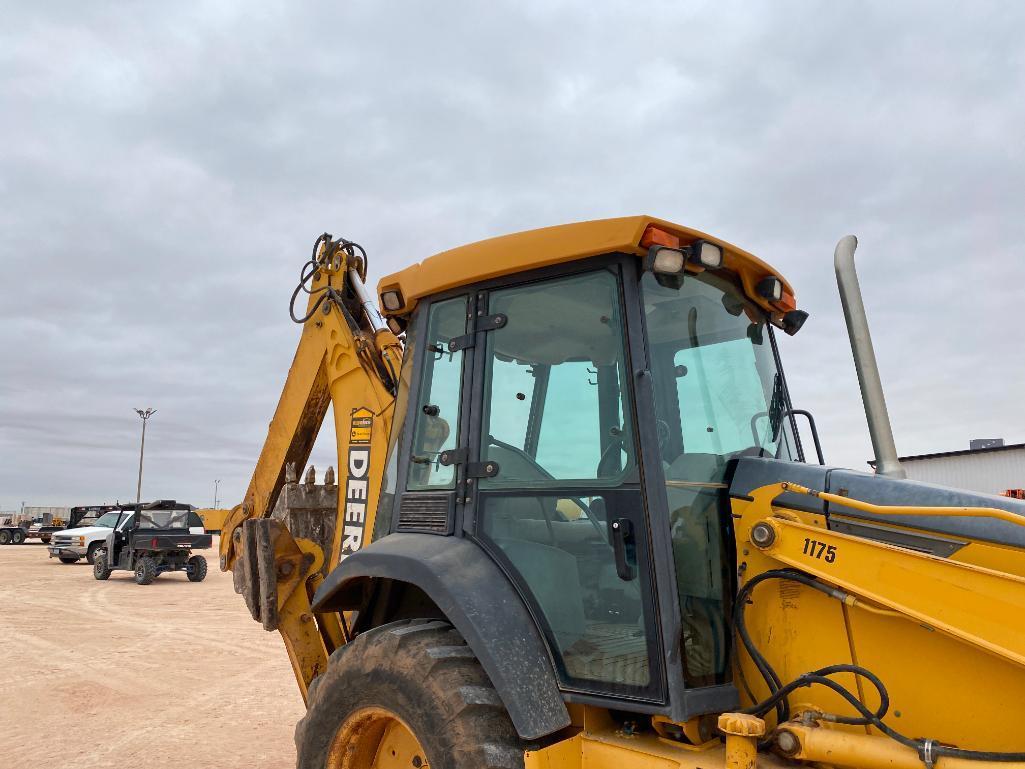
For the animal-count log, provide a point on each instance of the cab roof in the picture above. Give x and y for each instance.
(533, 249)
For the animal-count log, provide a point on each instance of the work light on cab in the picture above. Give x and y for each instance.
(665, 260)
(391, 300)
(770, 288)
(705, 254)
(668, 257)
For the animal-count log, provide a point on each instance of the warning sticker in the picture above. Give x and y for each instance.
(362, 425)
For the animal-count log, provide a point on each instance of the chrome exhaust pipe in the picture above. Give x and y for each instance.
(879, 427)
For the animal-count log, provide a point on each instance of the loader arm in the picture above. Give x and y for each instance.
(932, 629)
(348, 359)
(979, 606)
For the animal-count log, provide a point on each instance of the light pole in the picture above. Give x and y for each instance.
(217, 483)
(142, 448)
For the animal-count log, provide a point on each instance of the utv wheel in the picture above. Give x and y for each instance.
(100, 570)
(5, 537)
(90, 554)
(197, 568)
(68, 558)
(145, 571)
(18, 537)
(407, 694)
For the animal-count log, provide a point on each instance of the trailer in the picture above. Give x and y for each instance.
(12, 534)
(16, 529)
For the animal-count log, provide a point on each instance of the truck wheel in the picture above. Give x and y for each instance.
(45, 538)
(5, 537)
(68, 558)
(145, 571)
(406, 694)
(90, 554)
(100, 570)
(18, 537)
(197, 568)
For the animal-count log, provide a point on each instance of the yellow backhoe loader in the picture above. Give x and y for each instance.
(577, 527)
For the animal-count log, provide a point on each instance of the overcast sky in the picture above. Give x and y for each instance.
(165, 167)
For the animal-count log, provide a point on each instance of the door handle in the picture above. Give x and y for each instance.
(622, 535)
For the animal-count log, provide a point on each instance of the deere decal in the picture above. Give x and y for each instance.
(361, 429)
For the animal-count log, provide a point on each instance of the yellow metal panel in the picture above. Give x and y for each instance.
(610, 748)
(946, 638)
(798, 628)
(979, 606)
(939, 686)
(988, 555)
(548, 246)
(213, 518)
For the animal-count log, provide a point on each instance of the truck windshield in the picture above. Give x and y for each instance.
(107, 520)
(718, 395)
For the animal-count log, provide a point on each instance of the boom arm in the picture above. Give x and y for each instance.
(345, 357)
(920, 627)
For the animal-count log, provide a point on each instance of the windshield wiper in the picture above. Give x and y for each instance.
(777, 407)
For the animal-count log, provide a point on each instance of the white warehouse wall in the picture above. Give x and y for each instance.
(990, 472)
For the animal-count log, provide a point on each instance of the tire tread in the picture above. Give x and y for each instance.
(472, 729)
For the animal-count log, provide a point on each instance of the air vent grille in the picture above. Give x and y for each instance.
(426, 513)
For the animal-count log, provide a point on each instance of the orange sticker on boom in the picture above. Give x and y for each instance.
(362, 425)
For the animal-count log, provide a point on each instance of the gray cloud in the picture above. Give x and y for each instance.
(165, 169)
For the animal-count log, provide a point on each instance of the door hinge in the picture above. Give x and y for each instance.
(488, 469)
(482, 469)
(453, 456)
(491, 322)
(482, 323)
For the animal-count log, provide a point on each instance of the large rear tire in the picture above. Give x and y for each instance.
(18, 537)
(5, 537)
(406, 694)
(145, 571)
(197, 568)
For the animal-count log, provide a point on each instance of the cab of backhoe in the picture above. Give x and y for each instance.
(573, 413)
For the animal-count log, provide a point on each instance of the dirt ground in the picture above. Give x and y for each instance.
(113, 674)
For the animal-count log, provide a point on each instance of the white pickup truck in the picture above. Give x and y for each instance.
(70, 545)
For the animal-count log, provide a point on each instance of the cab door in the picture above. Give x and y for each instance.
(110, 543)
(117, 542)
(555, 491)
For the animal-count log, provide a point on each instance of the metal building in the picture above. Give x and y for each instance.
(992, 468)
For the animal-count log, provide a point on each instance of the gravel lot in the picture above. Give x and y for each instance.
(113, 674)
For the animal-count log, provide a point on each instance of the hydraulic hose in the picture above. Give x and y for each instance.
(928, 750)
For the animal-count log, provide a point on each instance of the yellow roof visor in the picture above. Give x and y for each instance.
(639, 235)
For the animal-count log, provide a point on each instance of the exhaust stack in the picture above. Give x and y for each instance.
(865, 360)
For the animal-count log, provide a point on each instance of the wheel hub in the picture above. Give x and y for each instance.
(375, 738)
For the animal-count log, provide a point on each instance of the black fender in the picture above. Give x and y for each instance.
(481, 603)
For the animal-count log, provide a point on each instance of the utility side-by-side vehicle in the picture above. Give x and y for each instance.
(157, 539)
